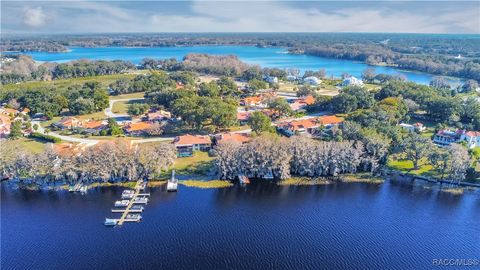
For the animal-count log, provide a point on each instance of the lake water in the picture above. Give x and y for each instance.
(265, 57)
(263, 226)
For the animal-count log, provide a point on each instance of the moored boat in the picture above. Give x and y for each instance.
(110, 222)
(121, 203)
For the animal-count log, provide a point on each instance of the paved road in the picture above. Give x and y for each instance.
(87, 142)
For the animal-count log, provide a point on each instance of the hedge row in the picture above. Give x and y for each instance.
(45, 137)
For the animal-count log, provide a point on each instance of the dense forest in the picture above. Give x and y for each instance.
(452, 55)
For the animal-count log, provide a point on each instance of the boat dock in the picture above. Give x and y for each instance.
(131, 200)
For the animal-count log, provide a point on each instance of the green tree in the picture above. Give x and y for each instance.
(416, 148)
(113, 127)
(259, 122)
(16, 130)
(281, 107)
(255, 84)
(210, 89)
(136, 109)
(82, 106)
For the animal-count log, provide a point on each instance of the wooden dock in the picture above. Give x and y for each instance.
(138, 187)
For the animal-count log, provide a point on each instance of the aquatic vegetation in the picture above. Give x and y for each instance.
(156, 183)
(303, 181)
(454, 191)
(206, 184)
(361, 178)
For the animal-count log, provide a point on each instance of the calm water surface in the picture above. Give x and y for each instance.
(265, 57)
(392, 225)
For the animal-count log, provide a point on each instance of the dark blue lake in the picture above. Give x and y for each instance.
(264, 226)
(265, 57)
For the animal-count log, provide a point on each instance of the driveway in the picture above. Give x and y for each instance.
(120, 118)
(87, 142)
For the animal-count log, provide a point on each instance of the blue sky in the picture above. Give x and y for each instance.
(240, 16)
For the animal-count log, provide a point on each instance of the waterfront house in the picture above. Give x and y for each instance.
(472, 138)
(187, 144)
(312, 80)
(137, 128)
(232, 137)
(352, 81)
(417, 127)
(446, 137)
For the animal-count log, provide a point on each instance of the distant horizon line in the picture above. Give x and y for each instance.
(237, 32)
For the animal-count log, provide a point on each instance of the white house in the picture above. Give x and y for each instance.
(312, 80)
(352, 81)
(412, 128)
(270, 79)
(291, 78)
(472, 138)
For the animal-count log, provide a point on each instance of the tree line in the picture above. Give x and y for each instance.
(284, 157)
(106, 161)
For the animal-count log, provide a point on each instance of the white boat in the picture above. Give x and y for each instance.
(141, 200)
(134, 217)
(172, 184)
(121, 203)
(269, 175)
(137, 208)
(128, 191)
(127, 196)
(110, 222)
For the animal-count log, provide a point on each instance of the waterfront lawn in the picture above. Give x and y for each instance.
(199, 163)
(406, 166)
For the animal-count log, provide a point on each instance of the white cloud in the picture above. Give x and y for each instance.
(235, 16)
(34, 17)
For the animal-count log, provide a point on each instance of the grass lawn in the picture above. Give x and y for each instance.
(199, 163)
(406, 166)
(127, 96)
(121, 107)
(96, 116)
(32, 145)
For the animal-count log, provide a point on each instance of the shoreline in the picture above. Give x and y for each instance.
(287, 50)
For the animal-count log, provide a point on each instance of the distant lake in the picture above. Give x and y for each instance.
(265, 57)
(262, 226)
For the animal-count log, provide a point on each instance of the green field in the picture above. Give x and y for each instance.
(104, 80)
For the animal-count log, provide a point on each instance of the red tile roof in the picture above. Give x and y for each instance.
(94, 124)
(473, 133)
(139, 126)
(191, 139)
(237, 137)
(330, 120)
